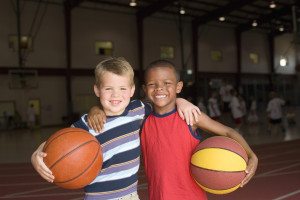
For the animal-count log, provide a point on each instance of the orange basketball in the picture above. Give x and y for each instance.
(74, 156)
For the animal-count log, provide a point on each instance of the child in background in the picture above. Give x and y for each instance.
(213, 107)
(236, 110)
(242, 105)
(274, 110)
(31, 117)
(252, 116)
(119, 139)
(201, 105)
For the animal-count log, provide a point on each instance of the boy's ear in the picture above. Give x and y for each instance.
(132, 90)
(179, 87)
(96, 90)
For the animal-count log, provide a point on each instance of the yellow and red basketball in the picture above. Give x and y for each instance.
(218, 165)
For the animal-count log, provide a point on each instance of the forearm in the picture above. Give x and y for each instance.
(231, 133)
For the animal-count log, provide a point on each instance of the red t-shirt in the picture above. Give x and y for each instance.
(167, 145)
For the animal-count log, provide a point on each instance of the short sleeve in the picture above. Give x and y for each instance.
(81, 123)
(148, 109)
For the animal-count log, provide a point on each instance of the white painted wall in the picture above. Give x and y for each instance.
(212, 38)
(49, 43)
(51, 93)
(90, 25)
(284, 46)
(255, 42)
(162, 32)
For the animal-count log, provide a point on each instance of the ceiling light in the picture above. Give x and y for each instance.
(272, 4)
(132, 3)
(254, 23)
(181, 10)
(222, 19)
(281, 28)
(283, 62)
(189, 71)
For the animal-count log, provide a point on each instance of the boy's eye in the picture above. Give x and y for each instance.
(123, 88)
(150, 84)
(107, 88)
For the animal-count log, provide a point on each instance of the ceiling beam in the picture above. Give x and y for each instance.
(151, 9)
(265, 18)
(233, 5)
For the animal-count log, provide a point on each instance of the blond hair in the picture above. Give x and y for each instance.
(118, 66)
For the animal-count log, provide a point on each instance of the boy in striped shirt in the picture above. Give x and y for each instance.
(119, 138)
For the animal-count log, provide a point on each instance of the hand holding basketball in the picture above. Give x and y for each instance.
(39, 165)
(250, 170)
(74, 156)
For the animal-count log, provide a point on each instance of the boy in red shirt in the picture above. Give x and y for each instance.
(168, 142)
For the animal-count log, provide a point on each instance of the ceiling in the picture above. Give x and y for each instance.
(239, 14)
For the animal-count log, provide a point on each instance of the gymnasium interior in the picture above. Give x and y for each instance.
(49, 49)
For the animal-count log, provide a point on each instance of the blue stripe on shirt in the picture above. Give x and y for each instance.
(111, 185)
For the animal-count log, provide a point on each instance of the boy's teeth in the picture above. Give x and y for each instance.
(160, 96)
(115, 102)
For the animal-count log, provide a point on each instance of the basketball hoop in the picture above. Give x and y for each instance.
(23, 79)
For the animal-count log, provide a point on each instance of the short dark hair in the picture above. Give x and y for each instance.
(162, 63)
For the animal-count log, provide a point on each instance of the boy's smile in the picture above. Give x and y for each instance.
(114, 93)
(161, 88)
(115, 102)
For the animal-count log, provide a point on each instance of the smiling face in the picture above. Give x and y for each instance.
(161, 87)
(114, 92)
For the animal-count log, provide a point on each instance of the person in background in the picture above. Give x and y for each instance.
(236, 110)
(200, 104)
(274, 111)
(213, 106)
(252, 116)
(243, 106)
(31, 117)
(225, 95)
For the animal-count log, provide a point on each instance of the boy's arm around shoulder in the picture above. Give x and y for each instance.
(187, 111)
(217, 128)
(96, 118)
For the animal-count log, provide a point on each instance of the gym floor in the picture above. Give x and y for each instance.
(277, 177)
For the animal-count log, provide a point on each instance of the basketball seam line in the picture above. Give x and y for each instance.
(215, 189)
(71, 131)
(87, 166)
(217, 170)
(224, 149)
(53, 164)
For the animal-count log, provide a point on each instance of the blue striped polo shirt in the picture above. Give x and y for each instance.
(120, 143)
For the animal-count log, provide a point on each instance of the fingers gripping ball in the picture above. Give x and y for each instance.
(218, 165)
(74, 156)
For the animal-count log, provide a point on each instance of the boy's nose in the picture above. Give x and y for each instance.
(115, 93)
(159, 87)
